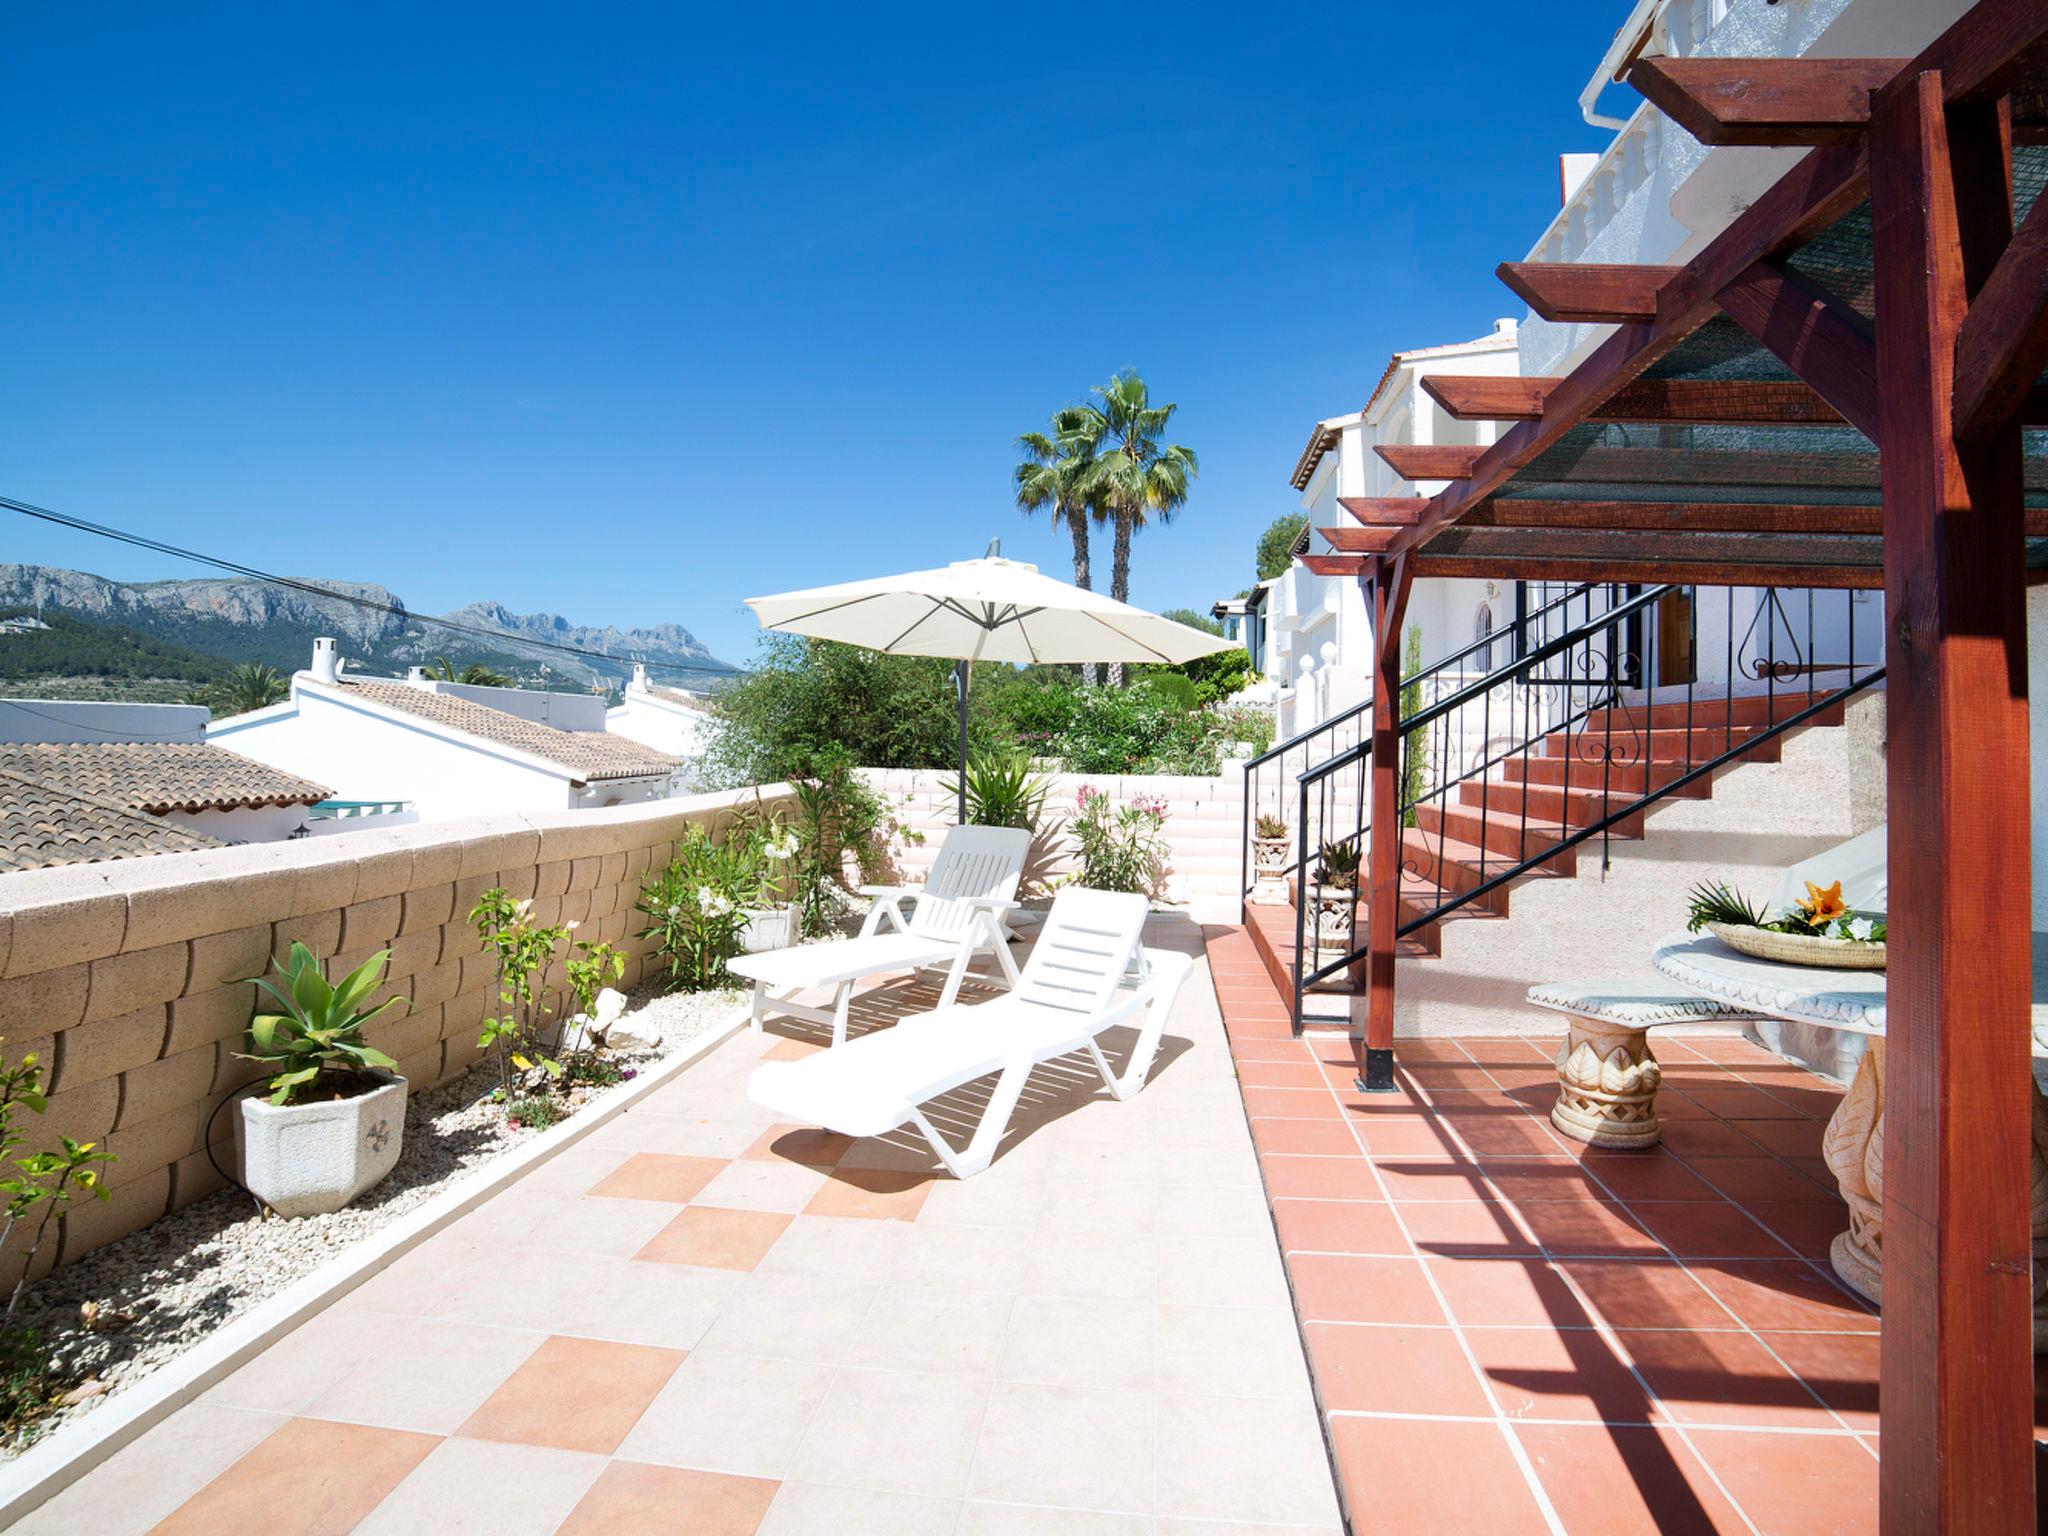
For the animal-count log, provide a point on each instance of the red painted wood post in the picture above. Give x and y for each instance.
(1957, 1346)
(1389, 594)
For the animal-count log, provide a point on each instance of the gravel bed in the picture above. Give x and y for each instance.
(156, 1292)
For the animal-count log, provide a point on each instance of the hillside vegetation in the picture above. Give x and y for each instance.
(44, 648)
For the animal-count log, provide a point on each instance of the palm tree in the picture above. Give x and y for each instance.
(1054, 473)
(1136, 477)
(250, 686)
(476, 674)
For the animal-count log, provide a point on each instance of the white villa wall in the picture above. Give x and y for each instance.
(70, 721)
(246, 824)
(666, 727)
(563, 711)
(363, 756)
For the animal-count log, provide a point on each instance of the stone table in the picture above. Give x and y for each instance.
(1854, 1142)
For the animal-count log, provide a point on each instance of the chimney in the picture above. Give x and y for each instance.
(326, 660)
(639, 684)
(417, 676)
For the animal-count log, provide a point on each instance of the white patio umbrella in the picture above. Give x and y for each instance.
(989, 609)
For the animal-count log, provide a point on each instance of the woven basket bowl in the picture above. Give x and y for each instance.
(1800, 948)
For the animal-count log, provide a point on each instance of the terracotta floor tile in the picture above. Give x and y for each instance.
(1545, 1373)
(1342, 1288)
(1338, 1226)
(1292, 1103)
(1270, 1050)
(1770, 1294)
(1518, 1135)
(713, 1237)
(575, 1395)
(1478, 1228)
(883, 1194)
(1280, 1074)
(1320, 1178)
(658, 1176)
(1648, 1176)
(1810, 1226)
(1816, 1485)
(633, 1499)
(809, 1145)
(1410, 1136)
(1321, 1138)
(1432, 1178)
(1541, 1178)
(1842, 1368)
(309, 1477)
(1744, 1179)
(1786, 1138)
(1392, 1370)
(1506, 1293)
(1706, 1229)
(1587, 1227)
(1649, 1293)
(1626, 1481)
(1723, 1378)
(1739, 1101)
(1707, 1138)
(1433, 1475)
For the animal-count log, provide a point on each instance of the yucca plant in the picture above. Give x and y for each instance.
(1338, 868)
(1720, 902)
(1271, 828)
(1002, 791)
(320, 1029)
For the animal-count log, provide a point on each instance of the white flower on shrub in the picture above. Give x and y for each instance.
(711, 903)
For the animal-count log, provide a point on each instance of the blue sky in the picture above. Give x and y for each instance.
(632, 312)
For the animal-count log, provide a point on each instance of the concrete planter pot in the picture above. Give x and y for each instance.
(309, 1159)
(768, 928)
(1336, 923)
(1270, 863)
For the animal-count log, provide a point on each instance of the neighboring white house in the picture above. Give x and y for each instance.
(449, 749)
(1318, 642)
(667, 719)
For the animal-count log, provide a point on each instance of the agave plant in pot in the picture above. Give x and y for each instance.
(1270, 845)
(334, 1119)
(1336, 902)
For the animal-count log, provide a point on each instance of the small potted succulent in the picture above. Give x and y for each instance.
(335, 1117)
(1336, 902)
(1270, 847)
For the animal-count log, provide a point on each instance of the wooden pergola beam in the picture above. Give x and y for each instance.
(1487, 397)
(1570, 292)
(1696, 402)
(1352, 540)
(1431, 461)
(1694, 517)
(2003, 344)
(1812, 333)
(1385, 511)
(1765, 101)
(1783, 551)
(1561, 568)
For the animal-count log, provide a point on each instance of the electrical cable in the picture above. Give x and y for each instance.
(314, 589)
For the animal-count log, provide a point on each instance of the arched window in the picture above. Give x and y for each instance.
(1482, 630)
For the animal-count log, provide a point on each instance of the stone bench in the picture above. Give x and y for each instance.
(1607, 1076)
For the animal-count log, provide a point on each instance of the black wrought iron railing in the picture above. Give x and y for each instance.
(1525, 745)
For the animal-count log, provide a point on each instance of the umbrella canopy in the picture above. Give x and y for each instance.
(989, 609)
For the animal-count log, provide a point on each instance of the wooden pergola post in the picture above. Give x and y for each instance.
(1957, 1341)
(1387, 591)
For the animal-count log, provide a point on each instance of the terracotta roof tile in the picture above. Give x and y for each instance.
(160, 776)
(43, 824)
(582, 754)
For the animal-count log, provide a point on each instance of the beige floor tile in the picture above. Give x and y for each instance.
(474, 1485)
(670, 1306)
(895, 1432)
(304, 1363)
(819, 1509)
(1094, 1162)
(723, 1412)
(678, 1132)
(1222, 1272)
(141, 1483)
(962, 1258)
(926, 1328)
(1239, 1351)
(1215, 1210)
(585, 1224)
(1238, 1528)
(837, 1247)
(536, 1287)
(425, 1374)
(1234, 1167)
(1244, 1458)
(1066, 1447)
(1092, 1265)
(791, 1317)
(1080, 1341)
(763, 1186)
(573, 1171)
(1023, 1520)
(878, 1194)
(963, 1202)
(420, 1279)
(1099, 1209)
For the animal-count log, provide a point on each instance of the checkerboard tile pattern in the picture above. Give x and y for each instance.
(700, 1319)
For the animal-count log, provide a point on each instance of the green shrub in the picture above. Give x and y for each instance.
(695, 907)
(536, 1113)
(1177, 690)
(1136, 730)
(1122, 848)
(1002, 791)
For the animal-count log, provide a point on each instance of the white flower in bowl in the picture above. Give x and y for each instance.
(1861, 929)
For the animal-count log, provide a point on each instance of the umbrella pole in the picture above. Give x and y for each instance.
(960, 696)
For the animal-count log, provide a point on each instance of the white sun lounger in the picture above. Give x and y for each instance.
(1065, 1001)
(959, 914)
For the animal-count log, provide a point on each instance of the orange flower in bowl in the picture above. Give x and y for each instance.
(1822, 906)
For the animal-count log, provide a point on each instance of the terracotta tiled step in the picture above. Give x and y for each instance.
(1573, 807)
(1498, 832)
(1445, 867)
(1272, 936)
(1745, 710)
(1621, 778)
(1664, 746)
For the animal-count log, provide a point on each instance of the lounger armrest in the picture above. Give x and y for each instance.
(996, 904)
(891, 890)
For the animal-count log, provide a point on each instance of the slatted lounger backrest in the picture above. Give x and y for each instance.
(1083, 951)
(973, 861)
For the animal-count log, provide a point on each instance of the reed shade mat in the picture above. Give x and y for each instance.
(989, 609)
(1800, 948)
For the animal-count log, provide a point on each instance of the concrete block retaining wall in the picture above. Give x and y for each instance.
(126, 978)
(1204, 827)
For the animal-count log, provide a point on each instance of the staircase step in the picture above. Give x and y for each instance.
(1619, 778)
(1511, 835)
(1749, 709)
(1664, 746)
(1448, 867)
(1573, 807)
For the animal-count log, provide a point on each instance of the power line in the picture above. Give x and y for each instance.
(313, 589)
